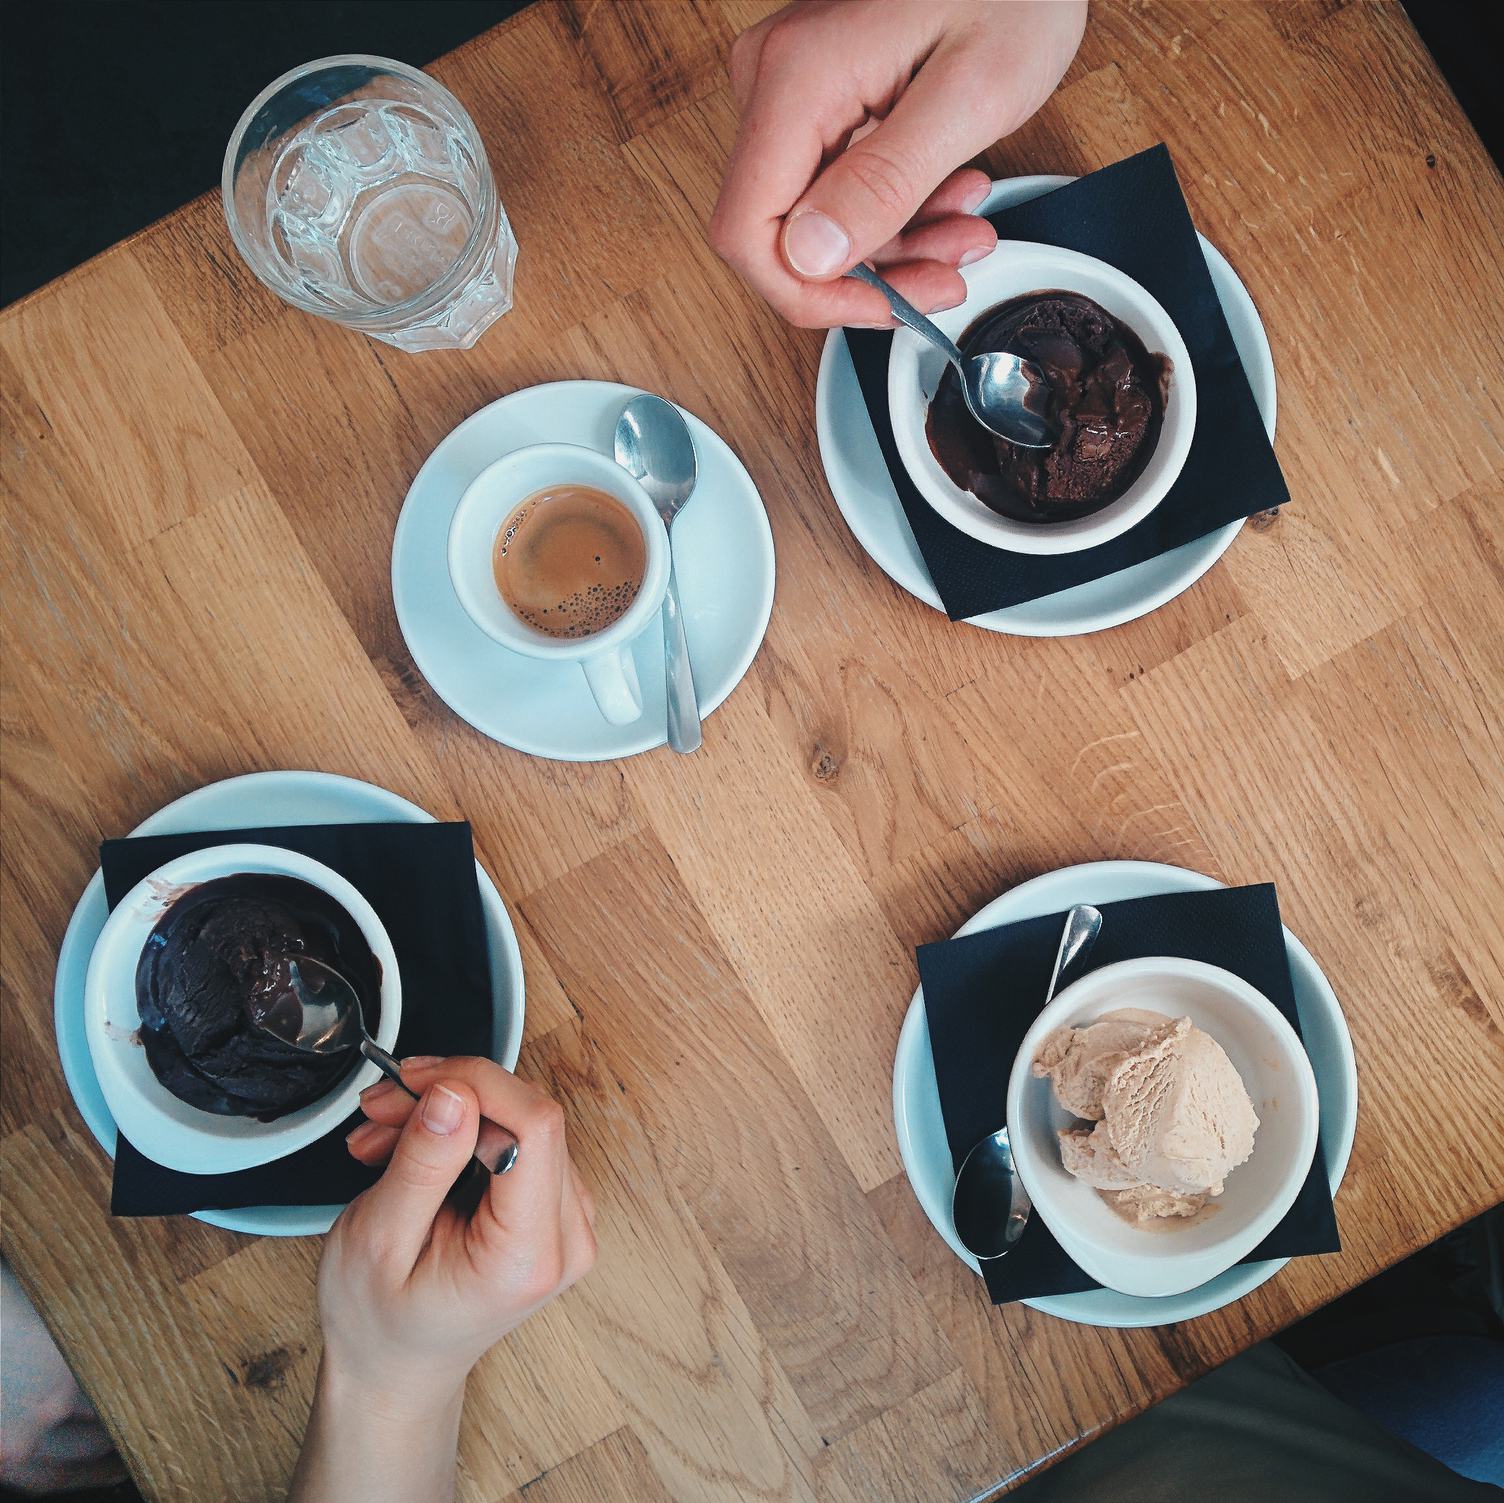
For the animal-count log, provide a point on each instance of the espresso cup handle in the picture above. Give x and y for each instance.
(612, 676)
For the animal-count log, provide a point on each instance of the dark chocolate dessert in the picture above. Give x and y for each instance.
(215, 964)
(1107, 396)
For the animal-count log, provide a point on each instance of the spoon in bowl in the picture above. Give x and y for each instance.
(990, 1206)
(317, 1011)
(1007, 395)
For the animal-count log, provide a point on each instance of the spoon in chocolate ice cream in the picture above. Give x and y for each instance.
(315, 1009)
(990, 1206)
(1006, 395)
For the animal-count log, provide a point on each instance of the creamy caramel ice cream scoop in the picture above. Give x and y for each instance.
(1173, 1117)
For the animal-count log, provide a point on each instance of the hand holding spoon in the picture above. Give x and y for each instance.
(1007, 395)
(318, 1012)
(990, 1206)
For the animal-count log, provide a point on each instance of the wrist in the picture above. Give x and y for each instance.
(416, 1395)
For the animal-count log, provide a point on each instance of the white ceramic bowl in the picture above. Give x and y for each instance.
(170, 1131)
(1169, 1258)
(915, 367)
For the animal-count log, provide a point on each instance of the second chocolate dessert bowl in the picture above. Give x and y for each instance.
(187, 999)
(1123, 403)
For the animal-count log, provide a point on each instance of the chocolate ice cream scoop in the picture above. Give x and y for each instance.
(209, 971)
(1108, 395)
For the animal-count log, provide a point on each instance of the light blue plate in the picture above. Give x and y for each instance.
(259, 799)
(921, 1128)
(723, 555)
(863, 489)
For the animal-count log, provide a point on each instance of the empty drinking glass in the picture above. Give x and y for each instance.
(357, 188)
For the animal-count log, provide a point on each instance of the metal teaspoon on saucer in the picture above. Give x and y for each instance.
(654, 445)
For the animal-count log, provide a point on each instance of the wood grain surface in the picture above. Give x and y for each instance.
(200, 490)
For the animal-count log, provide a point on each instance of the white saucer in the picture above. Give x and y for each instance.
(265, 798)
(863, 489)
(921, 1128)
(723, 549)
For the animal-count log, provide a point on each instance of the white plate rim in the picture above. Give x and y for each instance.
(1198, 556)
(639, 737)
(178, 817)
(1127, 1311)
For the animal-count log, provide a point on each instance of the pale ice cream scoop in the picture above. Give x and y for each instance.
(1173, 1117)
(1079, 1060)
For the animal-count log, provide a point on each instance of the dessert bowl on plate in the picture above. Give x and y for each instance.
(158, 1121)
(1170, 1255)
(1016, 270)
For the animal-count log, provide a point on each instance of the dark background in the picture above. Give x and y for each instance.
(115, 112)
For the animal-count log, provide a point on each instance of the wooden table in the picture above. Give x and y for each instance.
(201, 490)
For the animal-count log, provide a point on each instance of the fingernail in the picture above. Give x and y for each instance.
(421, 1060)
(946, 307)
(377, 1092)
(443, 1111)
(975, 254)
(975, 199)
(814, 244)
(361, 1133)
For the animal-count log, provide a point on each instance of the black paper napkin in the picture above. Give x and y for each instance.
(1133, 216)
(982, 992)
(420, 879)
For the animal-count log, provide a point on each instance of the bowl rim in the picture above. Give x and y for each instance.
(172, 1132)
(1162, 1270)
(1048, 268)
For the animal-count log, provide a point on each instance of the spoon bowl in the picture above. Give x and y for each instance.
(1007, 395)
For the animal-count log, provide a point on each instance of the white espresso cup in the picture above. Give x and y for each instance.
(606, 656)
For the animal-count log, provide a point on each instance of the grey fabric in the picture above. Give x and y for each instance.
(1257, 1428)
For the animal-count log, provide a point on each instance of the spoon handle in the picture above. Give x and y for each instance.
(495, 1148)
(1082, 925)
(683, 704)
(907, 314)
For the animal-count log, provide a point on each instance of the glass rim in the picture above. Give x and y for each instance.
(486, 221)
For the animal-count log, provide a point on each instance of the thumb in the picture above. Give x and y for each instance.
(435, 1146)
(875, 187)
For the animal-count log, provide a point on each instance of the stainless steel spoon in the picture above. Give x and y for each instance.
(653, 443)
(318, 1012)
(990, 1206)
(1007, 395)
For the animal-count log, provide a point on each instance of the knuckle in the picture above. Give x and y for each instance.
(782, 45)
(548, 1119)
(544, 1278)
(419, 1172)
(886, 180)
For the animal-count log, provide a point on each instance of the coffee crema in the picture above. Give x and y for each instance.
(569, 560)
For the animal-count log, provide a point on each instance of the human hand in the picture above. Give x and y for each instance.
(814, 186)
(412, 1291)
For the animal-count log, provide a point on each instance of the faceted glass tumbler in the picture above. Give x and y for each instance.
(358, 189)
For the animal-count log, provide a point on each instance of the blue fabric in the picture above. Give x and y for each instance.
(1444, 1394)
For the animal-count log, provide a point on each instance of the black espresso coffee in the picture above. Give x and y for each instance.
(569, 560)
